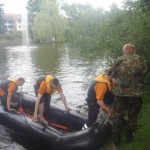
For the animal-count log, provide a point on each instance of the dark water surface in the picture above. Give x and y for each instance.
(75, 68)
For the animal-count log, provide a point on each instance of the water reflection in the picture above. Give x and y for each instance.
(19, 64)
(46, 59)
(77, 69)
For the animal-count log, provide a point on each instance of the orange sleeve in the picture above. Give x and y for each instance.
(11, 87)
(100, 90)
(2, 93)
(42, 88)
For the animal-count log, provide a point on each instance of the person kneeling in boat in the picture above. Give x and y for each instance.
(99, 90)
(44, 87)
(7, 93)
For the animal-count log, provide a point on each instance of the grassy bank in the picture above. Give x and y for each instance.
(141, 140)
(10, 39)
(142, 136)
(5, 43)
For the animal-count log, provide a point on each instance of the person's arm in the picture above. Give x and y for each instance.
(11, 90)
(9, 97)
(35, 116)
(41, 92)
(63, 98)
(103, 106)
(101, 89)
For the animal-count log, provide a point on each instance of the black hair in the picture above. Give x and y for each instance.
(109, 71)
(55, 81)
(21, 79)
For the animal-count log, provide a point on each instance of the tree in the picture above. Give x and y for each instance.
(2, 29)
(83, 24)
(33, 8)
(48, 24)
(145, 5)
(138, 22)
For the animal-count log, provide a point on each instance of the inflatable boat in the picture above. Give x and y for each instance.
(63, 131)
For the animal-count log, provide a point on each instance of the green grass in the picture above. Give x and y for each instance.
(142, 136)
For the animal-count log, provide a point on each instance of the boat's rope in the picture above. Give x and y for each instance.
(20, 98)
(4, 147)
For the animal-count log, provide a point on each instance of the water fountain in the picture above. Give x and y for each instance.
(25, 34)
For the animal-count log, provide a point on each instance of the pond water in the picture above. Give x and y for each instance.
(74, 67)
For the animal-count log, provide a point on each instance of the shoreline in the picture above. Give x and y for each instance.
(6, 43)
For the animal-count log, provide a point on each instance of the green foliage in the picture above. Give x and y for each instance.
(109, 30)
(11, 36)
(33, 8)
(48, 24)
(84, 27)
(144, 5)
(2, 30)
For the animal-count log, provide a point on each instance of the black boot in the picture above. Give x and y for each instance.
(130, 135)
(117, 139)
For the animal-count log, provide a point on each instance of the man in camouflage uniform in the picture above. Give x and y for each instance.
(129, 71)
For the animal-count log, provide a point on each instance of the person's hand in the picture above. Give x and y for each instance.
(109, 110)
(11, 109)
(35, 118)
(67, 109)
(14, 104)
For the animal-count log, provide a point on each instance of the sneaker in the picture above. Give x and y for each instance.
(84, 127)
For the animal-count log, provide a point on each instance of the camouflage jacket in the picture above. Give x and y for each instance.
(129, 71)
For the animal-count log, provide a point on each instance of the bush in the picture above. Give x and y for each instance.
(11, 36)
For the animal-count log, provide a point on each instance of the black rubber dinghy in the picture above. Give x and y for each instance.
(63, 131)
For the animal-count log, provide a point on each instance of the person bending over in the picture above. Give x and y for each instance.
(98, 90)
(7, 93)
(44, 87)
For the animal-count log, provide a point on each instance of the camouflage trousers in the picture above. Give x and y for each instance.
(126, 105)
(104, 116)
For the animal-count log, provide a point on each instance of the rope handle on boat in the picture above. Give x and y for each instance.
(21, 109)
(110, 113)
(80, 107)
(107, 117)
